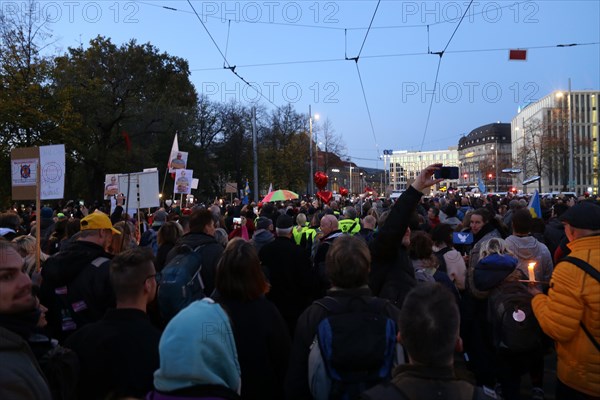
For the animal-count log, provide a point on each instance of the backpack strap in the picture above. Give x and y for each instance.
(333, 306)
(385, 391)
(586, 267)
(579, 263)
(443, 251)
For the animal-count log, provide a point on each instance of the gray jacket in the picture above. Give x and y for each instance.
(20, 373)
(528, 249)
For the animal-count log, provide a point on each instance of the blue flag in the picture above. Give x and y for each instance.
(481, 186)
(535, 207)
(462, 238)
(246, 193)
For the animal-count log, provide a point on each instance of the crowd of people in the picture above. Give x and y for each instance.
(449, 297)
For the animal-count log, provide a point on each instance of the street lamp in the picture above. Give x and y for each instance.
(571, 184)
(310, 149)
(495, 146)
(351, 168)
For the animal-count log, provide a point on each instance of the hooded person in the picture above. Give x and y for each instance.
(263, 233)
(198, 356)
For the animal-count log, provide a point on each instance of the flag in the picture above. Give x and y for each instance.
(462, 238)
(127, 141)
(517, 55)
(535, 207)
(174, 149)
(481, 186)
(246, 193)
(270, 188)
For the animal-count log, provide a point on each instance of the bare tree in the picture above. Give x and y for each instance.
(332, 142)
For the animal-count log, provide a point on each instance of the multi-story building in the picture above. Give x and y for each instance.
(556, 137)
(483, 154)
(404, 166)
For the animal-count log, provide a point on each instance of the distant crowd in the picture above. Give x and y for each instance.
(446, 297)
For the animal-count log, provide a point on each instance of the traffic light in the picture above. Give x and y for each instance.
(466, 176)
(490, 176)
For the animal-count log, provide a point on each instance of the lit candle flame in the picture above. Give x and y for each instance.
(530, 269)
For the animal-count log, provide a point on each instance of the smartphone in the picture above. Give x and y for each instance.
(81, 202)
(237, 221)
(446, 173)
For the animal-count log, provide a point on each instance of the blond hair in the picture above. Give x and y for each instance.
(493, 246)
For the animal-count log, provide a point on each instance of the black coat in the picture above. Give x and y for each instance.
(288, 269)
(392, 275)
(87, 285)
(118, 355)
(263, 347)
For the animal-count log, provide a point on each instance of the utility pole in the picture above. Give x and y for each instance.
(311, 184)
(255, 153)
(571, 166)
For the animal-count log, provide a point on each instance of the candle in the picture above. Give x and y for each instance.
(530, 269)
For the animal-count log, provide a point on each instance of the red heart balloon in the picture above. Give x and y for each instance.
(321, 179)
(343, 191)
(325, 196)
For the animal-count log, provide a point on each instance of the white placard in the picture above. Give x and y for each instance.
(183, 181)
(52, 176)
(178, 161)
(111, 185)
(141, 188)
(195, 183)
(23, 172)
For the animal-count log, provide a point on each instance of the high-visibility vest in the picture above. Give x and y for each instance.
(351, 226)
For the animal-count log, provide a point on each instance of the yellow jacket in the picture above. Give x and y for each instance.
(574, 296)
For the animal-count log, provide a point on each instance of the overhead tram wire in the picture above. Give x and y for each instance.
(422, 53)
(437, 73)
(362, 86)
(227, 65)
(290, 24)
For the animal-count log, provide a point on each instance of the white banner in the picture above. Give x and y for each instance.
(52, 177)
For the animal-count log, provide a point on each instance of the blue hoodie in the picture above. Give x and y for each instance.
(492, 270)
(198, 348)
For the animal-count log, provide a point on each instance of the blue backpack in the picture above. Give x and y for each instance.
(180, 282)
(354, 349)
(150, 239)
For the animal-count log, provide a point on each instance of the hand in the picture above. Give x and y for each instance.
(424, 180)
(85, 211)
(533, 289)
(571, 202)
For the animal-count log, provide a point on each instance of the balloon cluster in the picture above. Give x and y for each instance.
(321, 180)
(344, 191)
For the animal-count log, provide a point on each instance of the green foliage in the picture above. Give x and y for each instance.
(97, 99)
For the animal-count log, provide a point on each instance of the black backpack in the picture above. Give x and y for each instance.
(440, 256)
(514, 326)
(356, 346)
(180, 282)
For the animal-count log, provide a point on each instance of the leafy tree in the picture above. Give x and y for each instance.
(129, 99)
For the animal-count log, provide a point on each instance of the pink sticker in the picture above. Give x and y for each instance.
(519, 316)
(61, 290)
(79, 306)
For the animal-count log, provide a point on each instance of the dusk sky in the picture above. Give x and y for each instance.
(295, 52)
